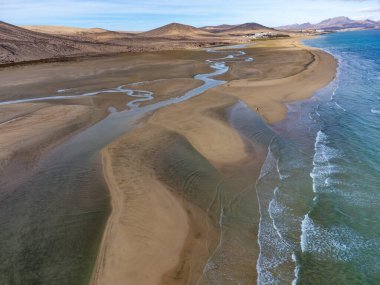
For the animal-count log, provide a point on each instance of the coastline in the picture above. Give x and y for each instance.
(202, 153)
(198, 122)
(318, 70)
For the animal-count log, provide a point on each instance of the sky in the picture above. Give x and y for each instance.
(139, 15)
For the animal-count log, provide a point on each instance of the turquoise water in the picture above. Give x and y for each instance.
(319, 191)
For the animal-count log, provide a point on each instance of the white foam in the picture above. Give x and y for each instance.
(338, 243)
(323, 168)
(269, 164)
(334, 92)
(375, 111)
(275, 210)
(275, 252)
(339, 106)
(296, 270)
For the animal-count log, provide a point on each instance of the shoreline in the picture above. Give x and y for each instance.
(201, 129)
(277, 102)
(316, 73)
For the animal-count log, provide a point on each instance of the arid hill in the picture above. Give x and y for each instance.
(175, 30)
(86, 34)
(247, 28)
(63, 30)
(19, 44)
(219, 28)
(60, 43)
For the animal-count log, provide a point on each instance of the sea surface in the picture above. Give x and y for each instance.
(319, 189)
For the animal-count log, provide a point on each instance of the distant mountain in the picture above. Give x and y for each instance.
(304, 26)
(219, 28)
(247, 28)
(175, 30)
(335, 24)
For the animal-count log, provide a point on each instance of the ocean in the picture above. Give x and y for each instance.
(319, 188)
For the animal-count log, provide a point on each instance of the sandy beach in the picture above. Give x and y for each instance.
(181, 180)
(189, 142)
(167, 230)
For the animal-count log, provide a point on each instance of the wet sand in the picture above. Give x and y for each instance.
(291, 72)
(64, 194)
(19, 121)
(37, 126)
(283, 71)
(181, 184)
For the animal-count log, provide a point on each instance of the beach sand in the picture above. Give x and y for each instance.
(292, 72)
(37, 126)
(152, 236)
(31, 132)
(41, 125)
(181, 184)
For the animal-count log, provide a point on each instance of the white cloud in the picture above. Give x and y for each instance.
(370, 10)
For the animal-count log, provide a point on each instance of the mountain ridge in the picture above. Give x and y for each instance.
(242, 29)
(335, 24)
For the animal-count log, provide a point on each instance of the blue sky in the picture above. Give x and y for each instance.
(135, 15)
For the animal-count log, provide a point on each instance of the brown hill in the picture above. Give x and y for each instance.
(175, 30)
(19, 44)
(63, 30)
(22, 45)
(247, 28)
(11, 32)
(219, 28)
(83, 34)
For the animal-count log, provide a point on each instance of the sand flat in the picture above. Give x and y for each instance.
(33, 126)
(148, 225)
(181, 183)
(201, 235)
(268, 96)
(178, 250)
(199, 121)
